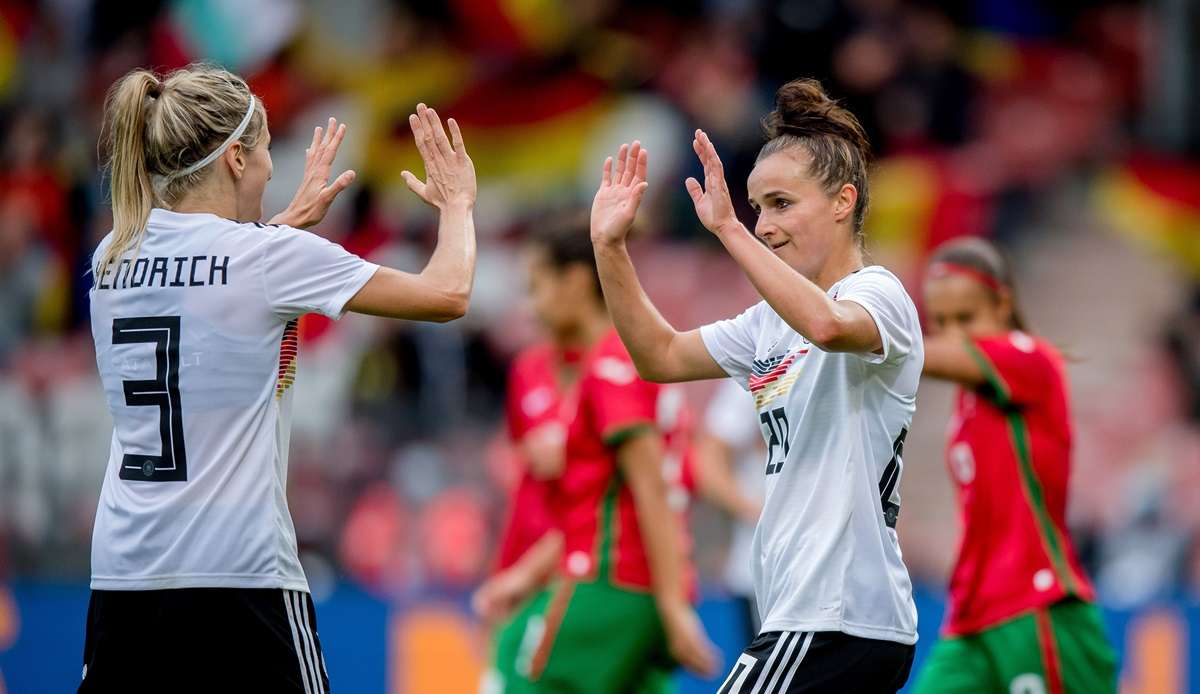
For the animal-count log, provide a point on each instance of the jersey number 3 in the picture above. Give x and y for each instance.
(778, 435)
(162, 392)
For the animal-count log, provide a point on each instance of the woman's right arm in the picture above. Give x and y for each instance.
(661, 353)
(441, 291)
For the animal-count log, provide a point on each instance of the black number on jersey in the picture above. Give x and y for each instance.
(778, 435)
(162, 392)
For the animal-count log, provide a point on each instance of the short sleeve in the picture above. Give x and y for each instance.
(881, 294)
(620, 401)
(1018, 370)
(518, 423)
(304, 273)
(731, 342)
(530, 401)
(731, 417)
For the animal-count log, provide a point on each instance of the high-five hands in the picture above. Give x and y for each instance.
(316, 194)
(621, 192)
(449, 171)
(714, 207)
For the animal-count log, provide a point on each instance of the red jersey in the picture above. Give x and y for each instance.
(1009, 454)
(533, 402)
(594, 508)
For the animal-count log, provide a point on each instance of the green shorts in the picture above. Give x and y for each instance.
(1061, 649)
(583, 638)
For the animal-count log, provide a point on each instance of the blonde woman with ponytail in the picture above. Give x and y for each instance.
(832, 356)
(196, 582)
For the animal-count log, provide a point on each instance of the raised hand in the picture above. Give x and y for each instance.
(449, 171)
(316, 194)
(713, 204)
(621, 192)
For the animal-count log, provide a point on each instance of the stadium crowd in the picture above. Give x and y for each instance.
(1000, 119)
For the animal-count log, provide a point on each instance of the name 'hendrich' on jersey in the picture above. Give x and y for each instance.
(196, 345)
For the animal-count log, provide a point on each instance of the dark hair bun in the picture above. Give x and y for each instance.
(803, 109)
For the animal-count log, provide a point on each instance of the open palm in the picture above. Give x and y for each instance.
(621, 192)
(714, 207)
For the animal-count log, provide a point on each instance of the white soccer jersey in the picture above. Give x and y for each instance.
(828, 558)
(196, 346)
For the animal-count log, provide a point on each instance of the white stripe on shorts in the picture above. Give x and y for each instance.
(762, 676)
(318, 681)
(796, 665)
(784, 662)
(287, 602)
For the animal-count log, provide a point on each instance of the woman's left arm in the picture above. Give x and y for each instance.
(833, 326)
(949, 358)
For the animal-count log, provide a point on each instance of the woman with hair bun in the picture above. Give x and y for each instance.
(1021, 616)
(832, 356)
(196, 580)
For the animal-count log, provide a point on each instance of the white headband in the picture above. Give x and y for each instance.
(233, 137)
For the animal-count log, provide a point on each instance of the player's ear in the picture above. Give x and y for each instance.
(844, 201)
(235, 157)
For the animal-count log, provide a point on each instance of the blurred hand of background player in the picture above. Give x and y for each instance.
(621, 192)
(449, 171)
(688, 643)
(544, 450)
(316, 194)
(713, 204)
(495, 600)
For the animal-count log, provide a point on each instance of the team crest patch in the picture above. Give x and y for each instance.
(772, 377)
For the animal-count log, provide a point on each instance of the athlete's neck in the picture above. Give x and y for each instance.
(215, 199)
(841, 262)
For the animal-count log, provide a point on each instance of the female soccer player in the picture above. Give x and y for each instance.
(1020, 616)
(196, 582)
(617, 616)
(832, 356)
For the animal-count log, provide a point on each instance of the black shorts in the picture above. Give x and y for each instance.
(808, 662)
(202, 640)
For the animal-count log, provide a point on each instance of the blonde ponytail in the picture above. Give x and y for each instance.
(160, 134)
(126, 115)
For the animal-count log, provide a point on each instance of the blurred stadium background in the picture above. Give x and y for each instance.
(1068, 131)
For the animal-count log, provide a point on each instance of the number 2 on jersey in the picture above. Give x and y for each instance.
(162, 392)
(778, 437)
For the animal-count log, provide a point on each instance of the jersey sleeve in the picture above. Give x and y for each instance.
(620, 402)
(518, 423)
(731, 343)
(1017, 370)
(884, 298)
(304, 273)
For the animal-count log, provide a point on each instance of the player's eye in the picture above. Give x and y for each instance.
(782, 204)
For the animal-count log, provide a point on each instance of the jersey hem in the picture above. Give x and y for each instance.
(907, 638)
(199, 581)
(969, 628)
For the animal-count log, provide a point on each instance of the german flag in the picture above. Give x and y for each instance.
(1154, 201)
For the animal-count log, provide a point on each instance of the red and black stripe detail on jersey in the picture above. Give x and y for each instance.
(764, 372)
(289, 346)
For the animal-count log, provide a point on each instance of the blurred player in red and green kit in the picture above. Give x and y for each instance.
(602, 602)
(1020, 617)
